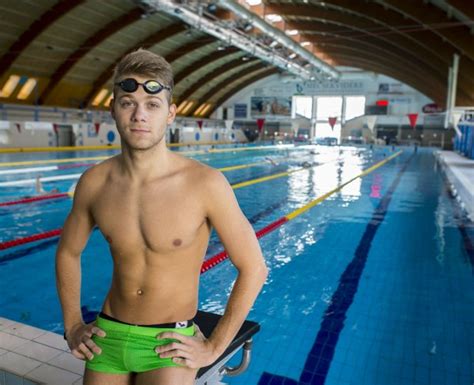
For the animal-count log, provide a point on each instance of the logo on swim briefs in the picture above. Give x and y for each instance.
(181, 324)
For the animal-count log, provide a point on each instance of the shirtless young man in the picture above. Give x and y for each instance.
(156, 209)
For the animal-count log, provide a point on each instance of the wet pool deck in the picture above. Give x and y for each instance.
(460, 173)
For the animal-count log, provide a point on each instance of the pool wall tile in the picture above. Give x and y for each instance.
(11, 379)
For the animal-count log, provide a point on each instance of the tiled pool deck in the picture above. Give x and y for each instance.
(460, 172)
(30, 356)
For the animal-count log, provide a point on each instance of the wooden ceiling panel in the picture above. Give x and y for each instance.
(436, 20)
(206, 65)
(207, 81)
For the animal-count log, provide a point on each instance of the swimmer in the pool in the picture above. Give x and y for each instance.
(156, 210)
(271, 161)
(40, 189)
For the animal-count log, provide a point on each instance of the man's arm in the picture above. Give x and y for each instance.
(241, 244)
(74, 236)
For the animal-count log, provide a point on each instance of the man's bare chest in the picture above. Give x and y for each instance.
(132, 221)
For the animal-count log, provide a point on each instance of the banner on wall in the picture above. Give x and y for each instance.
(268, 106)
(260, 123)
(413, 118)
(229, 124)
(240, 111)
(390, 88)
(370, 121)
(431, 108)
(199, 123)
(332, 121)
(91, 131)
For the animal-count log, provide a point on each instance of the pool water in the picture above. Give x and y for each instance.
(372, 286)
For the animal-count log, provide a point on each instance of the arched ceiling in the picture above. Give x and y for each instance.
(70, 47)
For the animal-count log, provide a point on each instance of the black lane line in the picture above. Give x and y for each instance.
(319, 358)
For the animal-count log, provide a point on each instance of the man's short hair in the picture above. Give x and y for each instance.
(145, 63)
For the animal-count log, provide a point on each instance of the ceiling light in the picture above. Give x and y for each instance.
(253, 2)
(305, 43)
(292, 32)
(273, 43)
(9, 86)
(292, 56)
(25, 91)
(273, 18)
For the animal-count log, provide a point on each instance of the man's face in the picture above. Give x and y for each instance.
(141, 118)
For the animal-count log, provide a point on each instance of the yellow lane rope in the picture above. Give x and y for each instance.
(93, 148)
(71, 160)
(318, 200)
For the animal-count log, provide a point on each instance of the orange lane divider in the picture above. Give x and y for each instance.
(34, 199)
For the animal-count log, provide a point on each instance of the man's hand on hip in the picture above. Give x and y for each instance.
(194, 352)
(80, 341)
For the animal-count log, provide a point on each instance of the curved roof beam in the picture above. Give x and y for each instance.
(434, 19)
(388, 70)
(212, 75)
(463, 6)
(412, 78)
(148, 42)
(400, 74)
(336, 33)
(240, 86)
(426, 39)
(344, 24)
(396, 24)
(198, 64)
(34, 30)
(382, 57)
(223, 83)
(98, 37)
(194, 45)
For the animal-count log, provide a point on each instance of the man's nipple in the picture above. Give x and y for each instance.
(177, 242)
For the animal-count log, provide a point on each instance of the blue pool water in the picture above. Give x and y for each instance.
(372, 286)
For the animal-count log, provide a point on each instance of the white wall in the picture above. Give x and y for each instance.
(402, 98)
(27, 134)
(96, 134)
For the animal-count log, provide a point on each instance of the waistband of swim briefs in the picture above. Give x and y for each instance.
(115, 324)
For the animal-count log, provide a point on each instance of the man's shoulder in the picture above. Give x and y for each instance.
(94, 176)
(202, 174)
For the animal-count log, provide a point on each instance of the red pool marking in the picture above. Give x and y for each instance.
(66, 166)
(29, 239)
(34, 199)
(222, 256)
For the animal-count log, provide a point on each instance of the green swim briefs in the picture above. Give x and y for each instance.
(129, 348)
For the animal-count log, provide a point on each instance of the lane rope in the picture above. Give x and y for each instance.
(218, 258)
(222, 256)
(197, 152)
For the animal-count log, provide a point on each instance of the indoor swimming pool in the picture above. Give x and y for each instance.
(373, 285)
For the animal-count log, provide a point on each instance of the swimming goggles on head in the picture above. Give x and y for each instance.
(150, 86)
